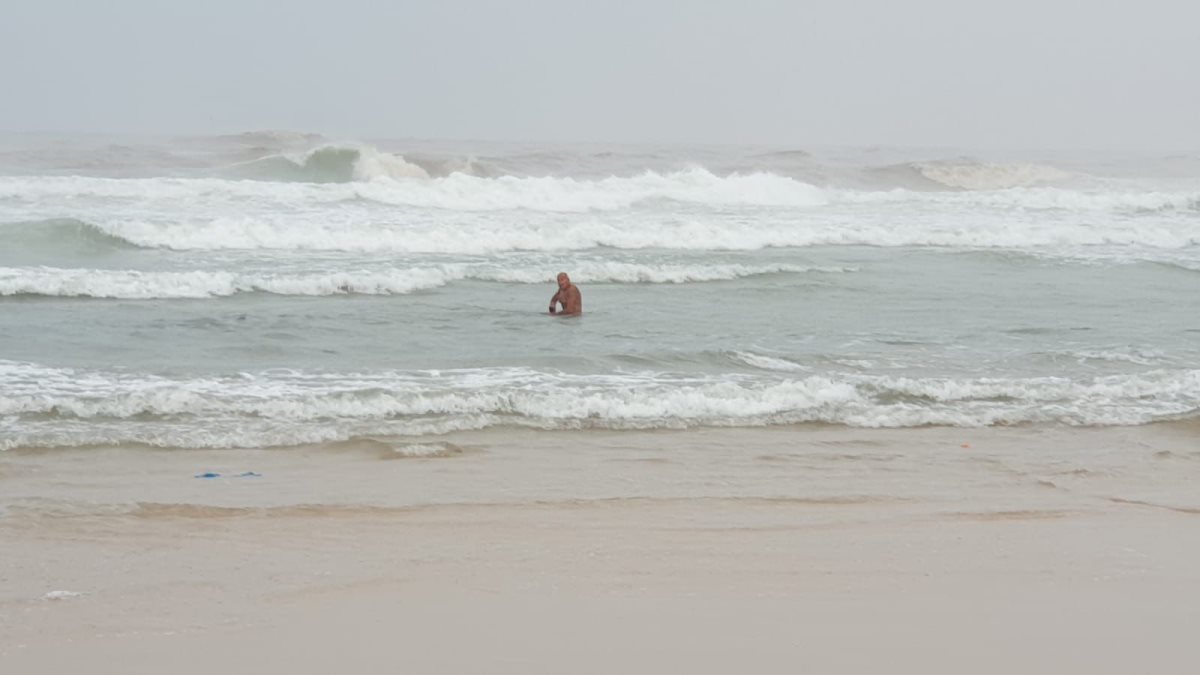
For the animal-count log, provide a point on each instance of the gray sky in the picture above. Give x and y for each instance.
(1021, 74)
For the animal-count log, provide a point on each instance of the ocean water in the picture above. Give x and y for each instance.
(280, 289)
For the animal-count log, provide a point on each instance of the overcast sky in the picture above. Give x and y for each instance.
(1022, 74)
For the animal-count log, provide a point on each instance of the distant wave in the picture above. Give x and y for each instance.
(466, 193)
(1074, 240)
(1182, 265)
(966, 174)
(971, 175)
(298, 157)
(785, 154)
(135, 284)
(690, 235)
(687, 210)
(348, 162)
(58, 407)
(328, 164)
(345, 163)
(60, 234)
(456, 192)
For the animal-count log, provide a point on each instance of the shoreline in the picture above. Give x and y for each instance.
(768, 550)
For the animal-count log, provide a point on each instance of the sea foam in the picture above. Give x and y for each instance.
(138, 284)
(687, 210)
(49, 406)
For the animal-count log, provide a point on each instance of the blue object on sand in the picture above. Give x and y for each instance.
(249, 474)
(208, 474)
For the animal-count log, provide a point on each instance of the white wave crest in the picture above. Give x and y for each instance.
(1076, 239)
(634, 273)
(372, 164)
(393, 182)
(133, 284)
(46, 406)
(136, 284)
(462, 214)
(1141, 357)
(389, 179)
(486, 237)
(469, 193)
(765, 362)
(329, 163)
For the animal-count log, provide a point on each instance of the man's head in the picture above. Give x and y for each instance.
(563, 280)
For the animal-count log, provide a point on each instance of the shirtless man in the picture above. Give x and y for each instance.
(567, 295)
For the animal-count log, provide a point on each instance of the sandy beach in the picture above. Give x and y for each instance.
(803, 549)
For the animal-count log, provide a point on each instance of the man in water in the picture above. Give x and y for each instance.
(567, 295)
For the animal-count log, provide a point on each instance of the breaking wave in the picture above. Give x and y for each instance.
(965, 174)
(49, 407)
(467, 193)
(494, 236)
(328, 164)
(970, 175)
(64, 234)
(456, 192)
(137, 284)
(686, 210)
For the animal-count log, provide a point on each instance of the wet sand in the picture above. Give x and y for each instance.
(803, 549)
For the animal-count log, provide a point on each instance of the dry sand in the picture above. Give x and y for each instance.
(767, 551)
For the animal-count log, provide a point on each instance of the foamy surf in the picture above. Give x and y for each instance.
(1063, 237)
(135, 284)
(141, 285)
(458, 192)
(43, 407)
(692, 210)
(462, 192)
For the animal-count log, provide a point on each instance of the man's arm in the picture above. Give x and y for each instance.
(554, 300)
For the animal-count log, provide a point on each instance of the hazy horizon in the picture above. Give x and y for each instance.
(1019, 75)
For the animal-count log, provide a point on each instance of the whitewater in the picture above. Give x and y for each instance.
(278, 289)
